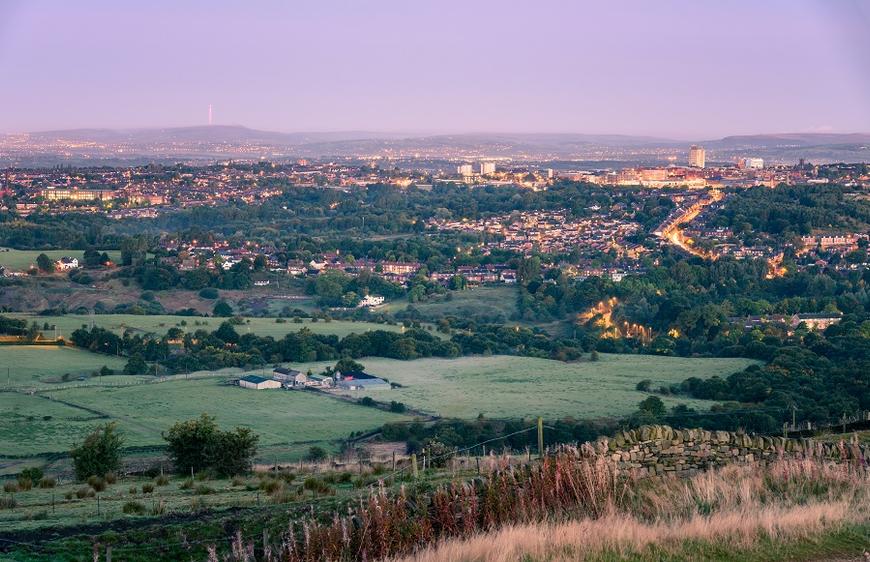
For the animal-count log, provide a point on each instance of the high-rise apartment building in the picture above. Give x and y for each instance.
(697, 156)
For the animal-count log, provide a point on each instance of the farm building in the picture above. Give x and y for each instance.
(361, 381)
(321, 380)
(258, 383)
(289, 377)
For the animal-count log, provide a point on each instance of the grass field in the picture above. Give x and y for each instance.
(34, 365)
(504, 386)
(143, 411)
(22, 259)
(159, 324)
(480, 302)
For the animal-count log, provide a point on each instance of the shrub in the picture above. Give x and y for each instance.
(238, 481)
(187, 484)
(133, 490)
(110, 478)
(158, 508)
(270, 485)
(209, 293)
(7, 502)
(147, 488)
(69, 495)
(644, 385)
(316, 454)
(85, 492)
(162, 480)
(203, 490)
(34, 473)
(47, 482)
(97, 483)
(133, 508)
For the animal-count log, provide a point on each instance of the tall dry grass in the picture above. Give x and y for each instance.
(572, 505)
(734, 505)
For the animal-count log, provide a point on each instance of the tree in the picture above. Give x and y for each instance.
(44, 263)
(346, 365)
(189, 443)
(222, 308)
(99, 453)
(199, 444)
(316, 454)
(654, 406)
(136, 365)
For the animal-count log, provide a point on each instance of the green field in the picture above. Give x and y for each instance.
(33, 366)
(22, 259)
(480, 302)
(143, 411)
(159, 324)
(511, 387)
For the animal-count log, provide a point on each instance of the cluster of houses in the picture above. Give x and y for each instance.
(291, 379)
(812, 320)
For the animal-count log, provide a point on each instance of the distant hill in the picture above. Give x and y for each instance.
(792, 139)
(211, 142)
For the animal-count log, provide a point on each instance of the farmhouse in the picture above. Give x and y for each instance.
(816, 321)
(289, 377)
(66, 263)
(258, 383)
(321, 380)
(361, 381)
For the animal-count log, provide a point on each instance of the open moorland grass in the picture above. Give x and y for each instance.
(22, 259)
(504, 386)
(159, 324)
(32, 366)
(281, 418)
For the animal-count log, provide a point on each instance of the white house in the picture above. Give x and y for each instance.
(66, 263)
(371, 301)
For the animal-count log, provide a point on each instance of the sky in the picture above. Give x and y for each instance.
(677, 69)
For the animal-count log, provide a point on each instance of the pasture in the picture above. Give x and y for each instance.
(34, 366)
(478, 303)
(19, 260)
(514, 387)
(290, 421)
(159, 324)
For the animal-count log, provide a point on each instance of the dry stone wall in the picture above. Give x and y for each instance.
(660, 449)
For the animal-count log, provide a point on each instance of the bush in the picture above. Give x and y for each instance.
(34, 473)
(10, 487)
(85, 492)
(209, 293)
(270, 485)
(203, 490)
(47, 482)
(158, 508)
(97, 483)
(238, 481)
(315, 454)
(133, 508)
(110, 478)
(7, 502)
(99, 453)
(187, 484)
(644, 385)
(147, 488)
(162, 480)
(133, 490)
(24, 484)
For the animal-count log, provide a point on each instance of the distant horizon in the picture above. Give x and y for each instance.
(436, 133)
